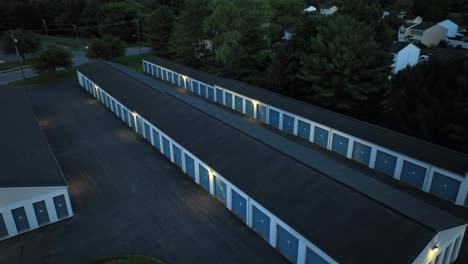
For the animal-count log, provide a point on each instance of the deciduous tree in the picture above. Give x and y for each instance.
(108, 47)
(51, 59)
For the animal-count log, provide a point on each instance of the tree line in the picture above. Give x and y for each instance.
(339, 62)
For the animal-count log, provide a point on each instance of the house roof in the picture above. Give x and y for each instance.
(424, 26)
(398, 46)
(26, 159)
(335, 217)
(453, 161)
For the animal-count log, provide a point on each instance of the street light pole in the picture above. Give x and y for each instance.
(76, 33)
(138, 34)
(45, 27)
(17, 53)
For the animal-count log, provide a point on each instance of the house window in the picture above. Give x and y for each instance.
(402, 31)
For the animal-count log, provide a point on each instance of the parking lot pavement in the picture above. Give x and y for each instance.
(127, 198)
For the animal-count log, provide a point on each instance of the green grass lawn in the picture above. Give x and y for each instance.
(65, 42)
(9, 65)
(126, 260)
(135, 61)
(46, 77)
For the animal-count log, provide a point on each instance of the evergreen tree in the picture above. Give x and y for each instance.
(159, 28)
(240, 32)
(108, 47)
(187, 41)
(344, 65)
(430, 101)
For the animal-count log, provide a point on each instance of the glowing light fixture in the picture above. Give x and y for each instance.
(435, 248)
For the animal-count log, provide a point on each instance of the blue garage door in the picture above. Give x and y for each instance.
(340, 144)
(413, 174)
(303, 129)
(147, 131)
(131, 120)
(166, 147)
(204, 177)
(239, 205)
(361, 153)
(211, 94)
(125, 116)
(321, 136)
(445, 187)
(190, 166)
(60, 206)
(153, 70)
(159, 72)
(177, 155)
(202, 90)
(249, 108)
(314, 258)
(3, 229)
(287, 244)
(288, 124)
(21, 220)
(195, 87)
(219, 96)
(42, 216)
(261, 223)
(156, 141)
(113, 105)
(140, 126)
(169, 77)
(239, 104)
(182, 82)
(261, 113)
(274, 118)
(176, 79)
(385, 162)
(118, 110)
(220, 189)
(228, 99)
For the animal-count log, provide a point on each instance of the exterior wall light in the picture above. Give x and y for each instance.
(435, 248)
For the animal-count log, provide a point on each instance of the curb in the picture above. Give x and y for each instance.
(15, 69)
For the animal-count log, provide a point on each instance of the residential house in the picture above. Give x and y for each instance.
(404, 31)
(451, 27)
(428, 34)
(328, 9)
(404, 55)
(310, 9)
(414, 20)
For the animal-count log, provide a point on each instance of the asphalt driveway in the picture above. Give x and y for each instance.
(127, 198)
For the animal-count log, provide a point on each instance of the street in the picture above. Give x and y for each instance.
(79, 58)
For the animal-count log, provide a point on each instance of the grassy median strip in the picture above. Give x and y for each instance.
(135, 61)
(46, 77)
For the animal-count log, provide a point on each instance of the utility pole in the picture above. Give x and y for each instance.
(76, 33)
(45, 27)
(17, 53)
(138, 34)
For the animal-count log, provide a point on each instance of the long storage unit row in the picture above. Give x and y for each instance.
(280, 235)
(447, 182)
(306, 215)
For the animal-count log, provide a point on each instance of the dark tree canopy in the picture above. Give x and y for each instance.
(159, 29)
(343, 66)
(51, 59)
(187, 42)
(26, 41)
(430, 101)
(108, 47)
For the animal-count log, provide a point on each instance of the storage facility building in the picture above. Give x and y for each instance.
(33, 191)
(426, 166)
(309, 216)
